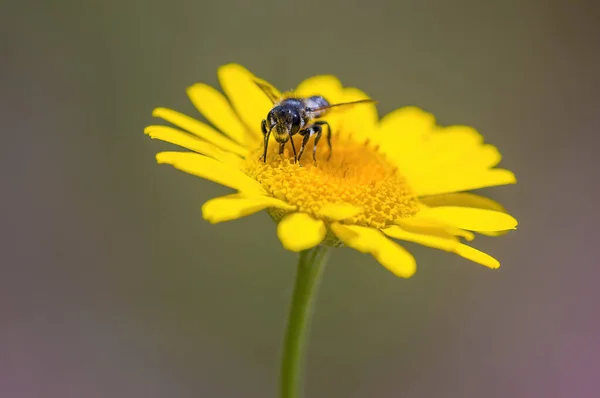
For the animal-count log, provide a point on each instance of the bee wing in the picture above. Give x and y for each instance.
(341, 104)
(267, 88)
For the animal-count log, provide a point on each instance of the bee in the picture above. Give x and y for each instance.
(295, 115)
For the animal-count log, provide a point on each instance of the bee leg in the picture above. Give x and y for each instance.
(305, 136)
(317, 131)
(267, 134)
(263, 127)
(324, 123)
(293, 147)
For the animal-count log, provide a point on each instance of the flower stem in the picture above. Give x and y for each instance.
(310, 268)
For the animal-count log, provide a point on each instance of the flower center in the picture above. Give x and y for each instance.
(356, 174)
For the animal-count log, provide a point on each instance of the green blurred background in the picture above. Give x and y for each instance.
(112, 285)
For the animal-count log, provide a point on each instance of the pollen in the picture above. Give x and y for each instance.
(356, 174)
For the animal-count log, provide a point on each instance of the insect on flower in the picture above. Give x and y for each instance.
(292, 115)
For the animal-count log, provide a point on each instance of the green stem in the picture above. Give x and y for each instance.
(310, 268)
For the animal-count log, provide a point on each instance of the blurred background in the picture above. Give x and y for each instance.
(112, 285)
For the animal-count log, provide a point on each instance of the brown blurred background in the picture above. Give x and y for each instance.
(112, 285)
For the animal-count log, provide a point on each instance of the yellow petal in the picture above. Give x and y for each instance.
(269, 90)
(447, 243)
(324, 85)
(468, 235)
(466, 199)
(248, 100)
(181, 138)
(462, 199)
(446, 182)
(477, 256)
(232, 207)
(493, 233)
(403, 130)
(368, 110)
(299, 231)
(367, 240)
(459, 147)
(339, 211)
(199, 129)
(453, 149)
(443, 243)
(430, 227)
(440, 160)
(470, 218)
(212, 170)
(360, 120)
(217, 110)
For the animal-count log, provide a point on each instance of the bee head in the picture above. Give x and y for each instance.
(284, 121)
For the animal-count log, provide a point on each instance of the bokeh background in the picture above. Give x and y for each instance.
(112, 285)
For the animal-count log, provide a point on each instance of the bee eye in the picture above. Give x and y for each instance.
(295, 122)
(296, 119)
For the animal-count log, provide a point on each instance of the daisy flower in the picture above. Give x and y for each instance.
(398, 178)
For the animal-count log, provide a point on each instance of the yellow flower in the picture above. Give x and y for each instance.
(401, 177)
